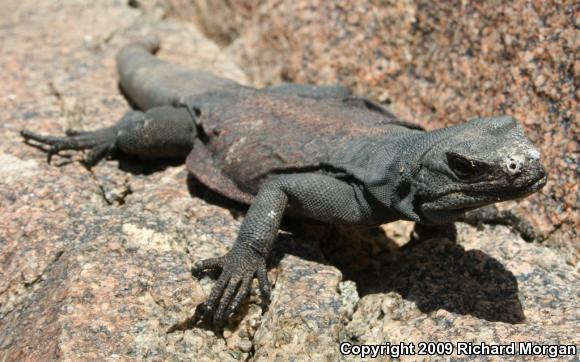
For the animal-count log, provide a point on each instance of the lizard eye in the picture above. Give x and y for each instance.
(463, 168)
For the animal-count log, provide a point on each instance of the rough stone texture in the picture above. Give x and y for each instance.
(436, 63)
(94, 265)
(304, 315)
(494, 292)
(220, 21)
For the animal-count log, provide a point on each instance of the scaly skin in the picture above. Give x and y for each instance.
(314, 151)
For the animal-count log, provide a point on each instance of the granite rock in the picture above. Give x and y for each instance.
(488, 287)
(94, 265)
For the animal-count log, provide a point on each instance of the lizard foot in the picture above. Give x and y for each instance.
(100, 142)
(235, 282)
(492, 215)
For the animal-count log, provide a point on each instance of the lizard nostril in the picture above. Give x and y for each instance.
(514, 165)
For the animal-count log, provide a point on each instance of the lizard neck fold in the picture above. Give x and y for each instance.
(391, 169)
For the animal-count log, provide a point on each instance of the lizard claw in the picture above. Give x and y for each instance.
(234, 284)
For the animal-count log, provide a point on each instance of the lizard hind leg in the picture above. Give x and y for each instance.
(161, 132)
(100, 142)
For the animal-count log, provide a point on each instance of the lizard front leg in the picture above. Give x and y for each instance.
(315, 196)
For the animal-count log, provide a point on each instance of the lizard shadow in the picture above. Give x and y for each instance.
(431, 270)
(139, 166)
(198, 190)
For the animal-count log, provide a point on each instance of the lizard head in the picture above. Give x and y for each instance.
(478, 163)
(452, 170)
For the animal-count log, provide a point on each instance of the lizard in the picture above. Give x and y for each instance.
(316, 152)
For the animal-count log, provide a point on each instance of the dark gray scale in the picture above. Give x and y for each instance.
(248, 135)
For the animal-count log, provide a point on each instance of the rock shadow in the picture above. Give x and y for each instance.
(437, 273)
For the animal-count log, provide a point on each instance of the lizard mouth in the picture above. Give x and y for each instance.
(450, 206)
(529, 188)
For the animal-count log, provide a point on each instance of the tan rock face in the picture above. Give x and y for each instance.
(436, 63)
(94, 265)
(482, 289)
(87, 269)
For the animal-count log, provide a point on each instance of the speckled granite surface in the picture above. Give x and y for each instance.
(94, 265)
(436, 63)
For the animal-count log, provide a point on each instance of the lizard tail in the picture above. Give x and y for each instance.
(151, 82)
(137, 53)
(151, 43)
(148, 42)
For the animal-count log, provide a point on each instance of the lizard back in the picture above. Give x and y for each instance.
(251, 134)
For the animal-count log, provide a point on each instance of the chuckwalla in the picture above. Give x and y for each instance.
(311, 151)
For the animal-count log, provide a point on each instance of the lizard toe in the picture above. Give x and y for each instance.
(264, 283)
(53, 150)
(207, 264)
(97, 154)
(216, 293)
(220, 315)
(74, 132)
(241, 295)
